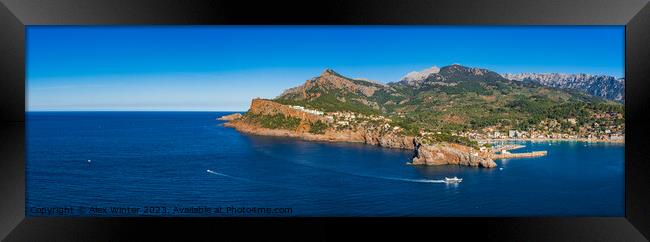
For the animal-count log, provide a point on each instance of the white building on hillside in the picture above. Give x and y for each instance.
(311, 111)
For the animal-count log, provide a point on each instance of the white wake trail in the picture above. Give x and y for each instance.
(412, 180)
(229, 176)
(355, 174)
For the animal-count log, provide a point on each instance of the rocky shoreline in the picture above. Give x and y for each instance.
(387, 141)
(423, 154)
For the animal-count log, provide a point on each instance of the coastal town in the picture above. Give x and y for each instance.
(487, 138)
(345, 119)
(553, 130)
(546, 130)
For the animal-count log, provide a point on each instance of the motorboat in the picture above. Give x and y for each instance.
(453, 180)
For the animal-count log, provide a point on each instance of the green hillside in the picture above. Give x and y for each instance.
(463, 99)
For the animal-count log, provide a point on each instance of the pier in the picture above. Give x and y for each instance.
(507, 147)
(506, 155)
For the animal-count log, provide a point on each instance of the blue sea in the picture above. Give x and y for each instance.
(184, 163)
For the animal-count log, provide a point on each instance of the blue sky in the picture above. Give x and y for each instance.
(223, 67)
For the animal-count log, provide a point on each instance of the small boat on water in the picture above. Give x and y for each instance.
(453, 180)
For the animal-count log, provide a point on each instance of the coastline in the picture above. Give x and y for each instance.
(260, 131)
(349, 136)
(424, 154)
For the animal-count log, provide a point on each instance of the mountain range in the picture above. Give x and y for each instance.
(604, 86)
(451, 98)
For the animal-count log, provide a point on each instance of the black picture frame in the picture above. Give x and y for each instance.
(15, 15)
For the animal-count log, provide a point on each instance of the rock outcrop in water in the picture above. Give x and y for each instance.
(450, 154)
(230, 117)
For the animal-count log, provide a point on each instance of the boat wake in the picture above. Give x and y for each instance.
(413, 180)
(229, 176)
(373, 177)
(307, 164)
(398, 179)
(360, 175)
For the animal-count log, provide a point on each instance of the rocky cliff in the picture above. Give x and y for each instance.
(352, 134)
(268, 107)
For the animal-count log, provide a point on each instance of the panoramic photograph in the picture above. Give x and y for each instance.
(325, 121)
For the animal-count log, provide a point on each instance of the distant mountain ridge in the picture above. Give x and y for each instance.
(603, 86)
(451, 73)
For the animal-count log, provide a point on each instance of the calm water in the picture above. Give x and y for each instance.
(141, 159)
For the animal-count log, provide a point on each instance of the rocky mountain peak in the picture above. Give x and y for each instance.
(331, 78)
(329, 72)
(450, 73)
(330, 81)
(454, 67)
(417, 76)
(457, 68)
